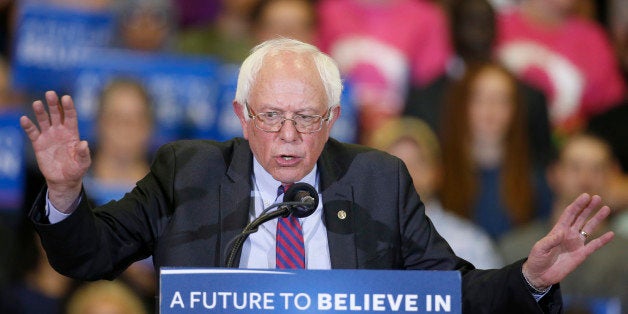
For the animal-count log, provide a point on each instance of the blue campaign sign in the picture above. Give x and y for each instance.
(184, 290)
(346, 127)
(226, 124)
(67, 50)
(51, 42)
(184, 90)
(11, 161)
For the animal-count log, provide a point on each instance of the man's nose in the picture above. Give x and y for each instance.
(288, 131)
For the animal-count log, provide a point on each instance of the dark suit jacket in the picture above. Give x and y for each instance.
(196, 198)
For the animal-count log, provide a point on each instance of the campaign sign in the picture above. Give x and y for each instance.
(184, 90)
(213, 290)
(52, 42)
(346, 127)
(12, 169)
(225, 124)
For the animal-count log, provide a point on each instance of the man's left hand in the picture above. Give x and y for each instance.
(567, 245)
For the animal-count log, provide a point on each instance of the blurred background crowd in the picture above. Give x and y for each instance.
(503, 111)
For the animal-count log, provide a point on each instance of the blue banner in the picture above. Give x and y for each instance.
(224, 122)
(184, 290)
(12, 169)
(52, 42)
(70, 51)
(346, 127)
(184, 91)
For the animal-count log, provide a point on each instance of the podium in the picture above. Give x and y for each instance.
(227, 290)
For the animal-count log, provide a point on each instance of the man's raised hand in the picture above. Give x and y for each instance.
(62, 157)
(567, 245)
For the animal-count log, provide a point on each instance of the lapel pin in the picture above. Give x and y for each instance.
(342, 214)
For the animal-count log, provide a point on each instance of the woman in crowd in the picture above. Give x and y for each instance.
(488, 174)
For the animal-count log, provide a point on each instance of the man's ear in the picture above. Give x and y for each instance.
(239, 111)
(335, 113)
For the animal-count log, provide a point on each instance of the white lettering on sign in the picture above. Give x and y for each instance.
(368, 302)
(225, 300)
(289, 301)
(440, 303)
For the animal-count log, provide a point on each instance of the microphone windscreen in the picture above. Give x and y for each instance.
(304, 193)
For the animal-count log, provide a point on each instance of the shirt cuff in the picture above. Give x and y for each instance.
(54, 215)
(537, 294)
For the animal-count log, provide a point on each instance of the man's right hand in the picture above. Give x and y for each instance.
(62, 157)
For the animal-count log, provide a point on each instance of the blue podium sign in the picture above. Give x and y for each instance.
(214, 290)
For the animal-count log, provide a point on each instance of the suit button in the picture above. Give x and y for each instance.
(342, 214)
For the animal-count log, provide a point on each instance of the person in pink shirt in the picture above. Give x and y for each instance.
(568, 57)
(381, 47)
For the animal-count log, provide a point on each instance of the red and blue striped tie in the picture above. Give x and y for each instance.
(290, 250)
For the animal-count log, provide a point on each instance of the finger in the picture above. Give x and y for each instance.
(41, 115)
(581, 219)
(56, 112)
(69, 112)
(598, 243)
(82, 153)
(570, 213)
(593, 223)
(30, 128)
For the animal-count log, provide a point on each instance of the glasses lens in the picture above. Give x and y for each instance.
(307, 123)
(273, 122)
(269, 121)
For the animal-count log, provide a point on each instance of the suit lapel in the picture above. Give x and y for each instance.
(338, 212)
(235, 199)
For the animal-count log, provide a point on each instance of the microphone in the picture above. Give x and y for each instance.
(300, 200)
(305, 195)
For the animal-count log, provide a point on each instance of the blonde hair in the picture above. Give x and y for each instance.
(88, 296)
(407, 128)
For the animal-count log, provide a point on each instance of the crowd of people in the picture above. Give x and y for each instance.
(502, 111)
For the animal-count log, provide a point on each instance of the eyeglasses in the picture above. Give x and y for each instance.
(272, 121)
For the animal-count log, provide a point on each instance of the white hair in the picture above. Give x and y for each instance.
(327, 67)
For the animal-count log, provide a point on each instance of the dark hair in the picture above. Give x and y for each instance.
(460, 180)
(473, 28)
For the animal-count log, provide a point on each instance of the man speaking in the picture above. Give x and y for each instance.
(200, 194)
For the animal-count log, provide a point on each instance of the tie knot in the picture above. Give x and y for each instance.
(283, 188)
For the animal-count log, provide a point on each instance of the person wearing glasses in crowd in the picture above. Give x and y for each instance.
(200, 194)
